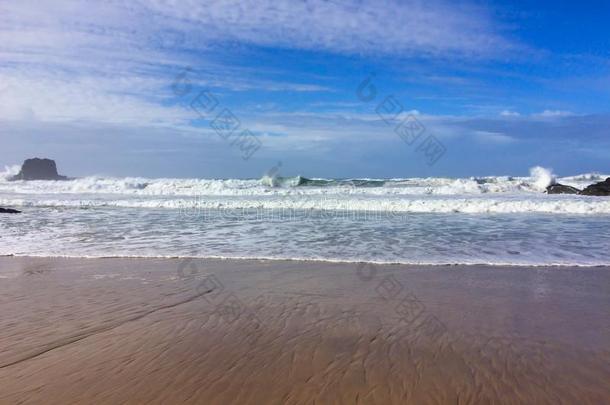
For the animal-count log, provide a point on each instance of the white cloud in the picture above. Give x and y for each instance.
(370, 26)
(49, 97)
(106, 62)
(114, 61)
(507, 113)
(553, 114)
(493, 137)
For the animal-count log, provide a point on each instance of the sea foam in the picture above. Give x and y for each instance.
(492, 194)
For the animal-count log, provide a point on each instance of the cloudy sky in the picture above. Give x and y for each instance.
(190, 88)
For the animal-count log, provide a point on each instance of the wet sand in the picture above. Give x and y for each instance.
(280, 332)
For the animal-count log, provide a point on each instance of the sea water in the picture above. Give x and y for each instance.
(492, 220)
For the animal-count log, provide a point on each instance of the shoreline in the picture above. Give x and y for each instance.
(304, 260)
(249, 331)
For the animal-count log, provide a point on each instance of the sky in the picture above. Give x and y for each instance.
(235, 89)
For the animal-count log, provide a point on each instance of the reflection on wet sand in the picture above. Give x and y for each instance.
(218, 332)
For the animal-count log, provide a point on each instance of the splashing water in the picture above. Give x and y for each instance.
(10, 171)
(542, 178)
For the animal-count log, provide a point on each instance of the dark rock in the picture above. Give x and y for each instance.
(8, 211)
(38, 169)
(561, 189)
(601, 189)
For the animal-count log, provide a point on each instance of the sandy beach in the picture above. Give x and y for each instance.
(288, 332)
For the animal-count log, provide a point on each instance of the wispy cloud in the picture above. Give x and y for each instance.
(377, 26)
(553, 114)
(339, 145)
(493, 137)
(55, 97)
(109, 62)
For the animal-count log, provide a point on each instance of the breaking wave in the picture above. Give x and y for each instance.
(542, 178)
(493, 220)
(493, 194)
(9, 171)
(277, 181)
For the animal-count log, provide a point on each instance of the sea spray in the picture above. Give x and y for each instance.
(542, 178)
(9, 171)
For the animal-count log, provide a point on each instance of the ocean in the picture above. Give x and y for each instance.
(500, 220)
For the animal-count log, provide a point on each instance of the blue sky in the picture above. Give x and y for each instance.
(501, 86)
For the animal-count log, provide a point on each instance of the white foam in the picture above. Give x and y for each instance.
(542, 178)
(526, 228)
(389, 204)
(9, 171)
(494, 194)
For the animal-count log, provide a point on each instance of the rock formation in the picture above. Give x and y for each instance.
(601, 189)
(598, 189)
(38, 169)
(8, 211)
(561, 189)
